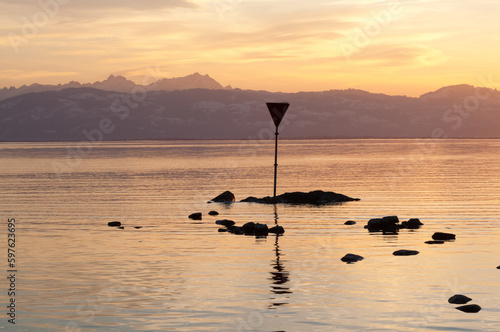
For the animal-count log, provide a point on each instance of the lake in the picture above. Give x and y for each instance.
(74, 273)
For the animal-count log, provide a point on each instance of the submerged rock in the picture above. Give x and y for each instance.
(195, 216)
(225, 197)
(350, 222)
(459, 299)
(413, 223)
(225, 222)
(137, 227)
(404, 252)
(435, 242)
(213, 213)
(277, 230)
(121, 227)
(351, 258)
(114, 223)
(472, 308)
(443, 236)
(317, 197)
(221, 230)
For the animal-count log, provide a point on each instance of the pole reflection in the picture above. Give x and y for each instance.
(279, 275)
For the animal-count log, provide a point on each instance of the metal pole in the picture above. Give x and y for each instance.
(275, 160)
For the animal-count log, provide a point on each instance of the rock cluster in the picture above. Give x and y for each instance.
(250, 228)
(391, 225)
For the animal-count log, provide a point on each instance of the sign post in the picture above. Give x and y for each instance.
(277, 111)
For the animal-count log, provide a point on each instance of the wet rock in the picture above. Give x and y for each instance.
(195, 216)
(413, 223)
(261, 230)
(435, 242)
(387, 224)
(249, 228)
(114, 223)
(351, 258)
(443, 236)
(472, 308)
(498, 267)
(121, 227)
(459, 299)
(277, 230)
(137, 227)
(225, 222)
(213, 213)
(350, 222)
(237, 230)
(220, 230)
(404, 252)
(317, 197)
(225, 197)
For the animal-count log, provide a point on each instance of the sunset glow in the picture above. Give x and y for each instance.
(400, 47)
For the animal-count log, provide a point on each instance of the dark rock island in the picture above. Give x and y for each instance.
(317, 197)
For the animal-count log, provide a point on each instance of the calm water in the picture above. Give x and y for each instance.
(77, 274)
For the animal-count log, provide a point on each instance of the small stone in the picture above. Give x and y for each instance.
(114, 223)
(225, 222)
(472, 308)
(443, 236)
(213, 213)
(277, 230)
(350, 222)
(121, 227)
(225, 197)
(237, 230)
(261, 230)
(351, 258)
(404, 252)
(195, 216)
(435, 242)
(221, 230)
(459, 299)
(137, 227)
(249, 228)
(413, 223)
(498, 267)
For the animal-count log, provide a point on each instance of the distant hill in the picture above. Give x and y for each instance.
(121, 84)
(112, 112)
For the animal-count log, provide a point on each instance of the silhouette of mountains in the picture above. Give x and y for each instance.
(117, 109)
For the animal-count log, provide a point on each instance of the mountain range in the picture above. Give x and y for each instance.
(198, 107)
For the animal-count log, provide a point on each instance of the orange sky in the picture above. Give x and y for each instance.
(399, 47)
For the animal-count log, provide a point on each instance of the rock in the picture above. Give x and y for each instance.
(220, 230)
(137, 227)
(237, 230)
(195, 216)
(350, 222)
(317, 197)
(459, 299)
(277, 230)
(225, 197)
(498, 267)
(261, 230)
(413, 223)
(351, 258)
(114, 223)
(121, 227)
(443, 236)
(435, 242)
(225, 222)
(473, 308)
(404, 252)
(386, 224)
(249, 228)
(213, 213)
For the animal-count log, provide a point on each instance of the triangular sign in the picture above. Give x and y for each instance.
(277, 111)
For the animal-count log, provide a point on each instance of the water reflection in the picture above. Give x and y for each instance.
(279, 275)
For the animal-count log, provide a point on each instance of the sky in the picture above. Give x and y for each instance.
(392, 47)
